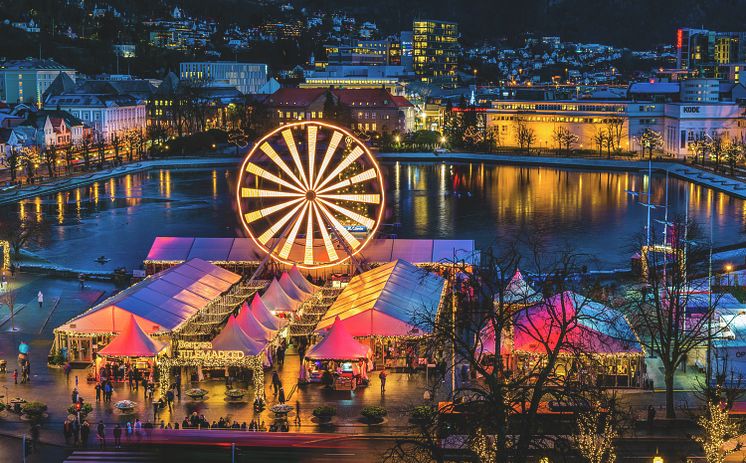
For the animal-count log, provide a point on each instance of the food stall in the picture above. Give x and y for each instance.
(342, 356)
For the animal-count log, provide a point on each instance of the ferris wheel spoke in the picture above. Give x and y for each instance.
(339, 228)
(308, 254)
(285, 251)
(352, 157)
(256, 215)
(330, 251)
(277, 226)
(312, 132)
(361, 177)
(359, 218)
(259, 172)
(330, 150)
(372, 198)
(290, 142)
(272, 154)
(259, 193)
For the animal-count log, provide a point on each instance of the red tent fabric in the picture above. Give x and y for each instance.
(290, 288)
(590, 328)
(232, 337)
(251, 326)
(301, 281)
(277, 300)
(338, 345)
(132, 342)
(264, 315)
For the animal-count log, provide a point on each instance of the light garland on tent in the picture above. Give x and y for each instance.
(253, 362)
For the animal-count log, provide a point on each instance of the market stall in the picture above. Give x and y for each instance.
(519, 292)
(339, 353)
(132, 349)
(264, 315)
(288, 285)
(301, 281)
(597, 342)
(277, 300)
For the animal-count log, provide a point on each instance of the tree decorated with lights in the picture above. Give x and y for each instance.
(595, 438)
(717, 430)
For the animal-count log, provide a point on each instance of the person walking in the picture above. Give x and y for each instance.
(382, 377)
(75, 396)
(651, 418)
(118, 436)
(40, 299)
(15, 376)
(85, 431)
(101, 434)
(98, 392)
(281, 395)
(297, 412)
(276, 383)
(170, 400)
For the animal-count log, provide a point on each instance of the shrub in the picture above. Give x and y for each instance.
(423, 413)
(2, 406)
(57, 359)
(85, 409)
(373, 413)
(325, 411)
(34, 408)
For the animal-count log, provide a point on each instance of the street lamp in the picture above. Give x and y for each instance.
(728, 269)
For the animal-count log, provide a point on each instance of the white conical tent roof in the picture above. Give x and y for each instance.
(251, 326)
(232, 337)
(518, 291)
(276, 299)
(291, 289)
(338, 344)
(263, 314)
(132, 342)
(301, 281)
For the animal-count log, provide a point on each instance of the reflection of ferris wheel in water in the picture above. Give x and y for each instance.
(310, 194)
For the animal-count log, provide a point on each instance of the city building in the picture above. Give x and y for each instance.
(248, 78)
(56, 128)
(704, 50)
(435, 50)
(392, 78)
(365, 110)
(26, 80)
(384, 52)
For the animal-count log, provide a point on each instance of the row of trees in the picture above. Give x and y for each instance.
(719, 149)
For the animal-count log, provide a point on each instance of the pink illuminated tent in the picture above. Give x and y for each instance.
(263, 314)
(301, 281)
(591, 327)
(277, 300)
(232, 337)
(132, 342)
(251, 326)
(290, 288)
(387, 301)
(338, 344)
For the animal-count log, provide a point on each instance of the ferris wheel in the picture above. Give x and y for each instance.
(310, 194)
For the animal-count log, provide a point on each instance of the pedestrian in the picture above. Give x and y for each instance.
(155, 410)
(74, 396)
(15, 376)
(98, 392)
(129, 431)
(118, 436)
(651, 418)
(281, 395)
(67, 431)
(85, 431)
(40, 299)
(382, 377)
(170, 399)
(131, 378)
(138, 429)
(276, 383)
(67, 369)
(297, 412)
(101, 434)
(35, 430)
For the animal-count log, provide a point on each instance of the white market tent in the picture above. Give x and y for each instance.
(251, 326)
(301, 281)
(161, 303)
(290, 288)
(518, 291)
(277, 300)
(386, 300)
(232, 337)
(132, 342)
(338, 344)
(264, 315)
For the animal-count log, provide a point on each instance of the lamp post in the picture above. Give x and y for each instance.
(728, 270)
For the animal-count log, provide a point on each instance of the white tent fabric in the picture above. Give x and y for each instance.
(301, 281)
(287, 285)
(161, 302)
(518, 291)
(387, 301)
(251, 326)
(277, 300)
(232, 337)
(264, 315)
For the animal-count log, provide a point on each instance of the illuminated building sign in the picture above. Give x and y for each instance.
(204, 350)
(691, 109)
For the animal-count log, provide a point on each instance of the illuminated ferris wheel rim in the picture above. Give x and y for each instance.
(316, 192)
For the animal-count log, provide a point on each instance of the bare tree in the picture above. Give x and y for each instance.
(615, 132)
(524, 135)
(20, 231)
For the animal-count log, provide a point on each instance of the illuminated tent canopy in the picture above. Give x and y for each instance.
(338, 344)
(300, 281)
(276, 299)
(291, 289)
(263, 314)
(593, 327)
(251, 326)
(518, 291)
(385, 300)
(132, 342)
(232, 337)
(162, 302)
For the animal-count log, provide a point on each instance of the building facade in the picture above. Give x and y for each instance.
(435, 50)
(25, 81)
(248, 78)
(702, 49)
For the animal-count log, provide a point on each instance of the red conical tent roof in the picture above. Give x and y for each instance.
(301, 281)
(251, 326)
(291, 289)
(338, 345)
(276, 299)
(232, 337)
(132, 342)
(263, 314)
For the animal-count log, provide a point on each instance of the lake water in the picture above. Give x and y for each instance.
(589, 211)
